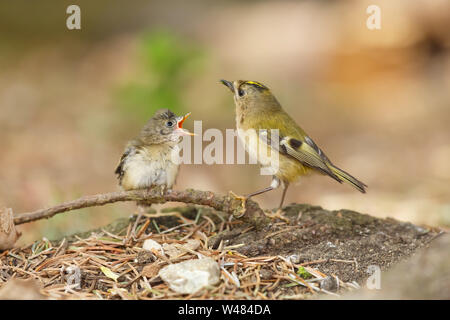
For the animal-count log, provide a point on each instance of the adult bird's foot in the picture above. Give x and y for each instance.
(277, 215)
(243, 200)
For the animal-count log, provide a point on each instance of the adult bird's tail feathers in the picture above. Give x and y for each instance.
(346, 177)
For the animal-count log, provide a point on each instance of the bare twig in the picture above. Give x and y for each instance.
(230, 203)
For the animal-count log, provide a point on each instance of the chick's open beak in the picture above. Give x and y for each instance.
(229, 84)
(180, 130)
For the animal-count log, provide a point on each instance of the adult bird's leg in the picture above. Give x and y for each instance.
(273, 185)
(278, 213)
(285, 187)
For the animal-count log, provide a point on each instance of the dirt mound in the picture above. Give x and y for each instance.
(342, 242)
(305, 251)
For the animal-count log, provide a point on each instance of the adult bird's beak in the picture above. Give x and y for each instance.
(180, 130)
(229, 84)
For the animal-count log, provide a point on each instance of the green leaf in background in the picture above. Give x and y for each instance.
(167, 63)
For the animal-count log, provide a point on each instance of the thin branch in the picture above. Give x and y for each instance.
(230, 203)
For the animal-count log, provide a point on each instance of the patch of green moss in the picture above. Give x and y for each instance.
(303, 273)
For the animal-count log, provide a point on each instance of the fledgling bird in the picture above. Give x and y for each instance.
(258, 109)
(148, 159)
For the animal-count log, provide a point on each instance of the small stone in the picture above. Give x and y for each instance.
(150, 270)
(171, 250)
(330, 244)
(328, 284)
(174, 250)
(192, 244)
(294, 258)
(150, 244)
(190, 276)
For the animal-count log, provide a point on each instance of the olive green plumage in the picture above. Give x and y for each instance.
(258, 109)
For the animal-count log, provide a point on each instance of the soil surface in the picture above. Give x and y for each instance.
(426, 275)
(304, 251)
(344, 243)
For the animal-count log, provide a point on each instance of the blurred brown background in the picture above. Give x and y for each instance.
(377, 102)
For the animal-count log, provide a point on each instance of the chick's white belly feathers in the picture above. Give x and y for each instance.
(143, 169)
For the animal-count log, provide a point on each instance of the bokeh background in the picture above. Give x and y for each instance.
(377, 101)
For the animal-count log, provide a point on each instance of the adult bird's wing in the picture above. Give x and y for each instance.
(292, 141)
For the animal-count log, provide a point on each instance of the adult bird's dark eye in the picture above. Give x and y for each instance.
(241, 92)
(169, 123)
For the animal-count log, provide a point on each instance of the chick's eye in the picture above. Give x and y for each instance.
(170, 123)
(241, 92)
